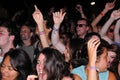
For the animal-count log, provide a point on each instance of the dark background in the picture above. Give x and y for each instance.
(14, 5)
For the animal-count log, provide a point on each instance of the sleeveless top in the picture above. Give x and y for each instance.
(80, 71)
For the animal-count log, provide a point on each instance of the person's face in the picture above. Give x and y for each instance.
(4, 36)
(25, 33)
(111, 56)
(40, 67)
(67, 54)
(102, 61)
(119, 68)
(81, 28)
(7, 71)
(110, 32)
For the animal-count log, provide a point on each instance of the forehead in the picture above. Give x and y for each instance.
(81, 21)
(7, 60)
(25, 27)
(41, 56)
(111, 53)
(2, 28)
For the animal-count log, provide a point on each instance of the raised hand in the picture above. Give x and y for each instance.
(92, 46)
(109, 5)
(115, 14)
(58, 17)
(79, 8)
(37, 15)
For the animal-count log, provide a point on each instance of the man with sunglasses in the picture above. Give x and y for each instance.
(82, 27)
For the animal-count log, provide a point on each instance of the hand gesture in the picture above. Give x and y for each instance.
(109, 5)
(31, 77)
(92, 46)
(79, 8)
(37, 15)
(58, 17)
(115, 14)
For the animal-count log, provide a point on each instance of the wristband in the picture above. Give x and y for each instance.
(101, 14)
(41, 32)
(93, 68)
(55, 29)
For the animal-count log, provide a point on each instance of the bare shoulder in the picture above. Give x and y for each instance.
(111, 76)
(76, 77)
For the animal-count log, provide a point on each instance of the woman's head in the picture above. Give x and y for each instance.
(102, 60)
(51, 62)
(16, 65)
(113, 51)
(115, 66)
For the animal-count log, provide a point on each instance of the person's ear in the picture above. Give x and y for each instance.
(12, 37)
(31, 34)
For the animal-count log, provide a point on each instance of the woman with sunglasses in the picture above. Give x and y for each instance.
(107, 31)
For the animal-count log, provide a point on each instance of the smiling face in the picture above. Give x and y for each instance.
(7, 71)
(25, 33)
(40, 67)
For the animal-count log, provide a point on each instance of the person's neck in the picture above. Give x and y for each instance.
(26, 42)
(82, 36)
(6, 49)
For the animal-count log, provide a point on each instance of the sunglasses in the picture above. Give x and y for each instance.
(81, 25)
(111, 30)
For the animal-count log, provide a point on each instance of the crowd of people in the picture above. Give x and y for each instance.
(56, 47)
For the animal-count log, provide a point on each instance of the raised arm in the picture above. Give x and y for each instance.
(114, 16)
(92, 46)
(116, 32)
(107, 8)
(80, 10)
(57, 18)
(38, 17)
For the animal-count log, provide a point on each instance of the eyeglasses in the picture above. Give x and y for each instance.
(111, 30)
(81, 25)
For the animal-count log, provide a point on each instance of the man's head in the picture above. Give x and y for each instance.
(8, 32)
(82, 27)
(27, 32)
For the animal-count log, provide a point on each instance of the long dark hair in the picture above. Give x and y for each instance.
(20, 62)
(55, 64)
(100, 49)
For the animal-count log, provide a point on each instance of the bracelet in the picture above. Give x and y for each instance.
(55, 29)
(101, 14)
(41, 32)
(93, 68)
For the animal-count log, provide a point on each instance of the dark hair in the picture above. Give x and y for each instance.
(89, 35)
(55, 64)
(20, 62)
(100, 49)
